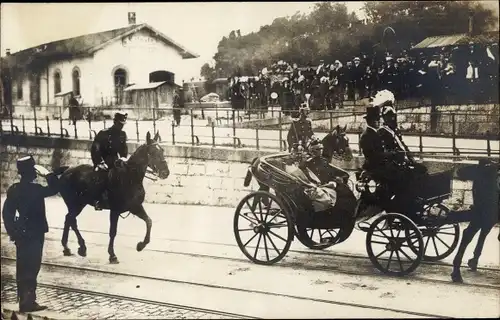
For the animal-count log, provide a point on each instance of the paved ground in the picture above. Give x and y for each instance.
(223, 136)
(193, 261)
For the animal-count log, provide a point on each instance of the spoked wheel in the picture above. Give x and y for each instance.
(387, 244)
(317, 239)
(262, 228)
(439, 240)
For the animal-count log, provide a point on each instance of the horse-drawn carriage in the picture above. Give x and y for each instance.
(281, 210)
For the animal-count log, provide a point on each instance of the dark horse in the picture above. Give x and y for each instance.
(126, 192)
(485, 211)
(336, 144)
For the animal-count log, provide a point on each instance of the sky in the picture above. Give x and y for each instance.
(198, 26)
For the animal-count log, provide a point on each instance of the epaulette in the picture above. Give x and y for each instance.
(295, 119)
(308, 119)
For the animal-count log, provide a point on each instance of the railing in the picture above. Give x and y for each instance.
(465, 134)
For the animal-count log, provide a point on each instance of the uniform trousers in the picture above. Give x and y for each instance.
(28, 262)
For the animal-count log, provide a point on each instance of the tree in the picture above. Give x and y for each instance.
(330, 32)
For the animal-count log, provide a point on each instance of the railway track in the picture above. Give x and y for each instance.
(78, 269)
(307, 266)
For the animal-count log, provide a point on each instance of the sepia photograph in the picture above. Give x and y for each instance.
(250, 160)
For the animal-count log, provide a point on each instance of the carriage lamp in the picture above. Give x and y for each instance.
(371, 186)
(360, 186)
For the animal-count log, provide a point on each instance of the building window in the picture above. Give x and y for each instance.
(19, 88)
(57, 82)
(76, 81)
(120, 82)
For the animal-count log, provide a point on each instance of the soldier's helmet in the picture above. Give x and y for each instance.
(26, 165)
(304, 108)
(121, 117)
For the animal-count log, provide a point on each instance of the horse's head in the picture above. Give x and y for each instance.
(156, 156)
(337, 142)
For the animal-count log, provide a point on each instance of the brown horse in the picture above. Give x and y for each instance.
(336, 144)
(126, 192)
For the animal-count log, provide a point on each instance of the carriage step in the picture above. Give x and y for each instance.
(363, 226)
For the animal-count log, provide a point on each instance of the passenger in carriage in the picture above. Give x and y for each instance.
(392, 141)
(371, 144)
(320, 167)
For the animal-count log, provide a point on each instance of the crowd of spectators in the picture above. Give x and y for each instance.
(452, 75)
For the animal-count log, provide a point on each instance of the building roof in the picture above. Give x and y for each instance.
(146, 86)
(457, 39)
(86, 45)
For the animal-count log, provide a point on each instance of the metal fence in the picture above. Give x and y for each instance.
(469, 134)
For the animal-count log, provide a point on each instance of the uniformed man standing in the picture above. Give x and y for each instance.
(27, 229)
(108, 148)
(178, 103)
(301, 129)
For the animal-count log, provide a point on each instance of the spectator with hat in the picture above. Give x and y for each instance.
(28, 229)
(358, 77)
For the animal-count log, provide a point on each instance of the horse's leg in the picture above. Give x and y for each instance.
(140, 213)
(479, 247)
(82, 250)
(70, 218)
(113, 225)
(467, 237)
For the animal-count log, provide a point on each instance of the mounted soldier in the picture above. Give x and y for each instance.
(108, 151)
(301, 129)
(28, 228)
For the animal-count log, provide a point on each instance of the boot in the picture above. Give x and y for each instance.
(28, 302)
(31, 307)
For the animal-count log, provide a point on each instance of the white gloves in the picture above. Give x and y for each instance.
(102, 166)
(41, 170)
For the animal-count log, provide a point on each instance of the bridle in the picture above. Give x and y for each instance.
(152, 171)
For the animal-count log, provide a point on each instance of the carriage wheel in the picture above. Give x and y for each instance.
(318, 239)
(439, 240)
(262, 225)
(387, 244)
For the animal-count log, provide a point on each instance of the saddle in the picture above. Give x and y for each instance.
(108, 181)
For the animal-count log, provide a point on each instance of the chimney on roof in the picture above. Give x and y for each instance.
(7, 52)
(131, 18)
(471, 23)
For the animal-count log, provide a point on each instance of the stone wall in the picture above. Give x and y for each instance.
(199, 175)
(469, 120)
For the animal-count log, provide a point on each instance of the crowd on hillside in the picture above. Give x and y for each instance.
(452, 75)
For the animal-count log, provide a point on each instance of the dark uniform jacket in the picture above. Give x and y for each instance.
(324, 171)
(109, 145)
(372, 148)
(300, 130)
(28, 199)
(392, 141)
